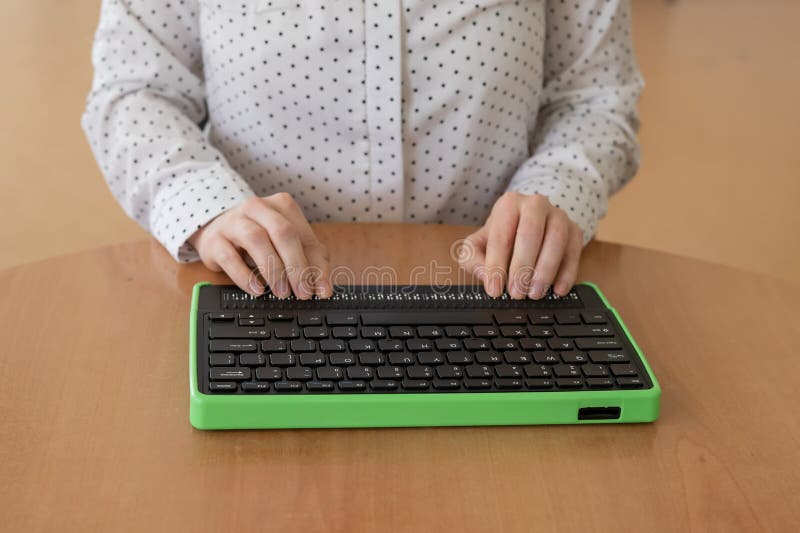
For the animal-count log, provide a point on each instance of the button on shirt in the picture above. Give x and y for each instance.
(379, 111)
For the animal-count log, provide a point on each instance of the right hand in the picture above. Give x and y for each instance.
(271, 233)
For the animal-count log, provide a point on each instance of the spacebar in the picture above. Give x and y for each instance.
(413, 318)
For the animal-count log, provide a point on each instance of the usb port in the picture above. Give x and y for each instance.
(598, 413)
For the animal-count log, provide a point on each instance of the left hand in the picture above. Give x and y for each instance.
(526, 245)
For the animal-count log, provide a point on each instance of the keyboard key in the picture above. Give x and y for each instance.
(446, 384)
(474, 345)
(399, 358)
(286, 331)
(429, 332)
(447, 344)
(362, 345)
(288, 386)
(484, 331)
(504, 343)
(384, 384)
(282, 359)
(541, 332)
(310, 319)
(539, 384)
(630, 383)
(599, 383)
(532, 344)
(489, 358)
(624, 370)
(584, 331)
(513, 331)
(459, 358)
(508, 383)
(457, 331)
(229, 374)
(610, 356)
(415, 384)
(302, 345)
(401, 332)
(567, 371)
(222, 386)
(235, 345)
(574, 358)
(274, 316)
(331, 345)
(359, 372)
(373, 332)
(251, 322)
(546, 358)
(342, 318)
(254, 386)
(312, 359)
(593, 317)
(419, 372)
(537, 371)
(344, 332)
(594, 371)
(449, 371)
(299, 373)
(371, 358)
(479, 371)
(511, 317)
(508, 371)
(352, 386)
(418, 318)
(391, 345)
(319, 386)
(390, 372)
(269, 374)
(342, 359)
(569, 383)
(230, 331)
(598, 343)
(221, 317)
(273, 345)
(477, 384)
(568, 317)
(430, 358)
(541, 319)
(419, 345)
(315, 332)
(252, 359)
(557, 343)
(333, 373)
(221, 359)
(518, 358)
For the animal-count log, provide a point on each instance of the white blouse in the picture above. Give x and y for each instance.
(380, 111)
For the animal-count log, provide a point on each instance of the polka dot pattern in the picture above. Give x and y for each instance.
(390, 111)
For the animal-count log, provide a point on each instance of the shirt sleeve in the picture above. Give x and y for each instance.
(584, 146)
(143, 116)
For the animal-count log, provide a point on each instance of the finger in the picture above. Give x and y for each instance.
(555, 241)
(500, 242)
(471, 252)
(527, 243)
(230, 260)
(568, 272)
(250, 236)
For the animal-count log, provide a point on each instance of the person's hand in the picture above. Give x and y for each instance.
(527, 244)
(272, 235)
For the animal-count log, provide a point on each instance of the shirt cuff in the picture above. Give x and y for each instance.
(206, 193)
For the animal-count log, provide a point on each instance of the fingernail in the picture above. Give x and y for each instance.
(495, 287)
(516, 290)
(256, 287)
(282, 288)
(537, 290)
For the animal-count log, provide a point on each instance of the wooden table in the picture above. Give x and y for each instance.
(95, 433)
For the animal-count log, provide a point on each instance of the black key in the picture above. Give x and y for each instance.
(430, 358)
(459, 358)
(359, 372)
(489, 358)
(429, 332)
(331, 345)
(401, 358)
(513, 331)
(447, 344)
(567, 371)
(569, 383)
(419, 372)
(315, 332)
(508, 383)
(344, 332)
(384, 384)
(474, 345)
(541, 332)
(302, 345)
(511, 317)
(503, 343)
(457, 331)
(352, 386)
(608, 356)
(568, 317)
(390, 372)
(630, 383)
(229, 374)
(594, 371)
(313, 319)
(532, 344)
(584, 331)
(288, 386)
(319, 386)
(371, 358)
(222, 386)
(250, 316)
(484, 331)
(273, 345)
(541, 319)
(557, 343)
(419, 318)
(299, 373)
(508, 371)
(221, 317)
(373, 332)
(475, 384)
(221, 359)
(591, 317)
(342, 359)
(282, 359)
(518, 358)
(419, 345)
(574, 358)
(330, 373)
(598, 343)
(446, 384)
(539, 384)
(390, 345)
(252, 359)
(280, 315)
(449, 371)
(479, 371)
(362, 345)
(342, 318)
(287, 331)
(235, 345)
(599, 383)
(401, 332)
(254, 386)
(415, 384)
(624, 370)
(230, 331)
(312, 359)
(251, 322)
(546, 358)
(537, 371)
(268, 374)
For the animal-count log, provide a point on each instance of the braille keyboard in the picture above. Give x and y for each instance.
(401, 341)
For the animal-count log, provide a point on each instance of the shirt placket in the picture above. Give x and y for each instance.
(383, 66)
